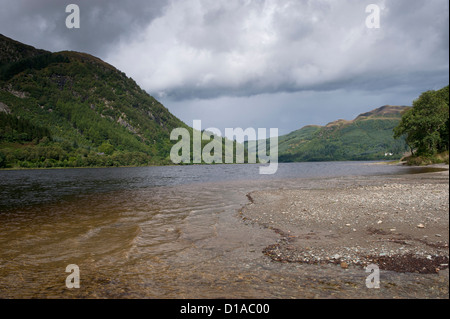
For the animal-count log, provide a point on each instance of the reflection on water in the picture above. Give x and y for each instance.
(161, 232)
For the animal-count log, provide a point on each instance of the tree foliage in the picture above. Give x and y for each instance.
(14, 129)
(426, 125)
(7, 71)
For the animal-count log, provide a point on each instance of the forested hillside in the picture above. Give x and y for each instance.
(70, 109)
(368, 137)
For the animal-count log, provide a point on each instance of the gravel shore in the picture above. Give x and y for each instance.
(399, 222)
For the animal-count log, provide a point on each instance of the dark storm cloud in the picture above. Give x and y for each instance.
(41, 23)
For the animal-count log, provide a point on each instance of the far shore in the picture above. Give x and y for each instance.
(440, 166)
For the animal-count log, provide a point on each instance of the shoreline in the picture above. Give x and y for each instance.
(395, 163)
(400, 223)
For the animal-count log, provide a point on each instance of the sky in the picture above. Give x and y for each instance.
(263, 63)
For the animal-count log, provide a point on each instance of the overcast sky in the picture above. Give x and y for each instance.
(261, 64)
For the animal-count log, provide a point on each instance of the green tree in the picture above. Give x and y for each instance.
(425, 126)
(106, 148)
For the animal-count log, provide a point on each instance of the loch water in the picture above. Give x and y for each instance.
(161, 232)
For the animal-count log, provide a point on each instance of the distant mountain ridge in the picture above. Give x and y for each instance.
(367, 137)
(386, 111)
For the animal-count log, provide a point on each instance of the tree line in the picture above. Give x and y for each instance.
(7, 71)
(15, 129)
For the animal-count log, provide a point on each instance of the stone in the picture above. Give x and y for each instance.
(344, 265)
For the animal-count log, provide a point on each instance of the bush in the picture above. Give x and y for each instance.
(106, 148)
(442, 158)
(2, 160)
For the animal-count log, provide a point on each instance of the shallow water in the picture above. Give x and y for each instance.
(167, 232)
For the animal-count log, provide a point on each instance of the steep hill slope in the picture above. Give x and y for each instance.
(13, 51)
(90, 113)
(368, 137)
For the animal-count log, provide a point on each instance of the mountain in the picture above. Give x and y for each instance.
(368, 137)
(73, 109)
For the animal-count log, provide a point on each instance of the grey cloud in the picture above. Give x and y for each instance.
(207, 49)
(41, 23)
(286, 111)
(186, 49)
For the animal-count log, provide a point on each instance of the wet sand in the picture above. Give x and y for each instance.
(399, 223)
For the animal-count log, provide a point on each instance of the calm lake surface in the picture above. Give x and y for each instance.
(158, 232)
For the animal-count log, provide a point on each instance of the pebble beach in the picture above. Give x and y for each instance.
(399, 223)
